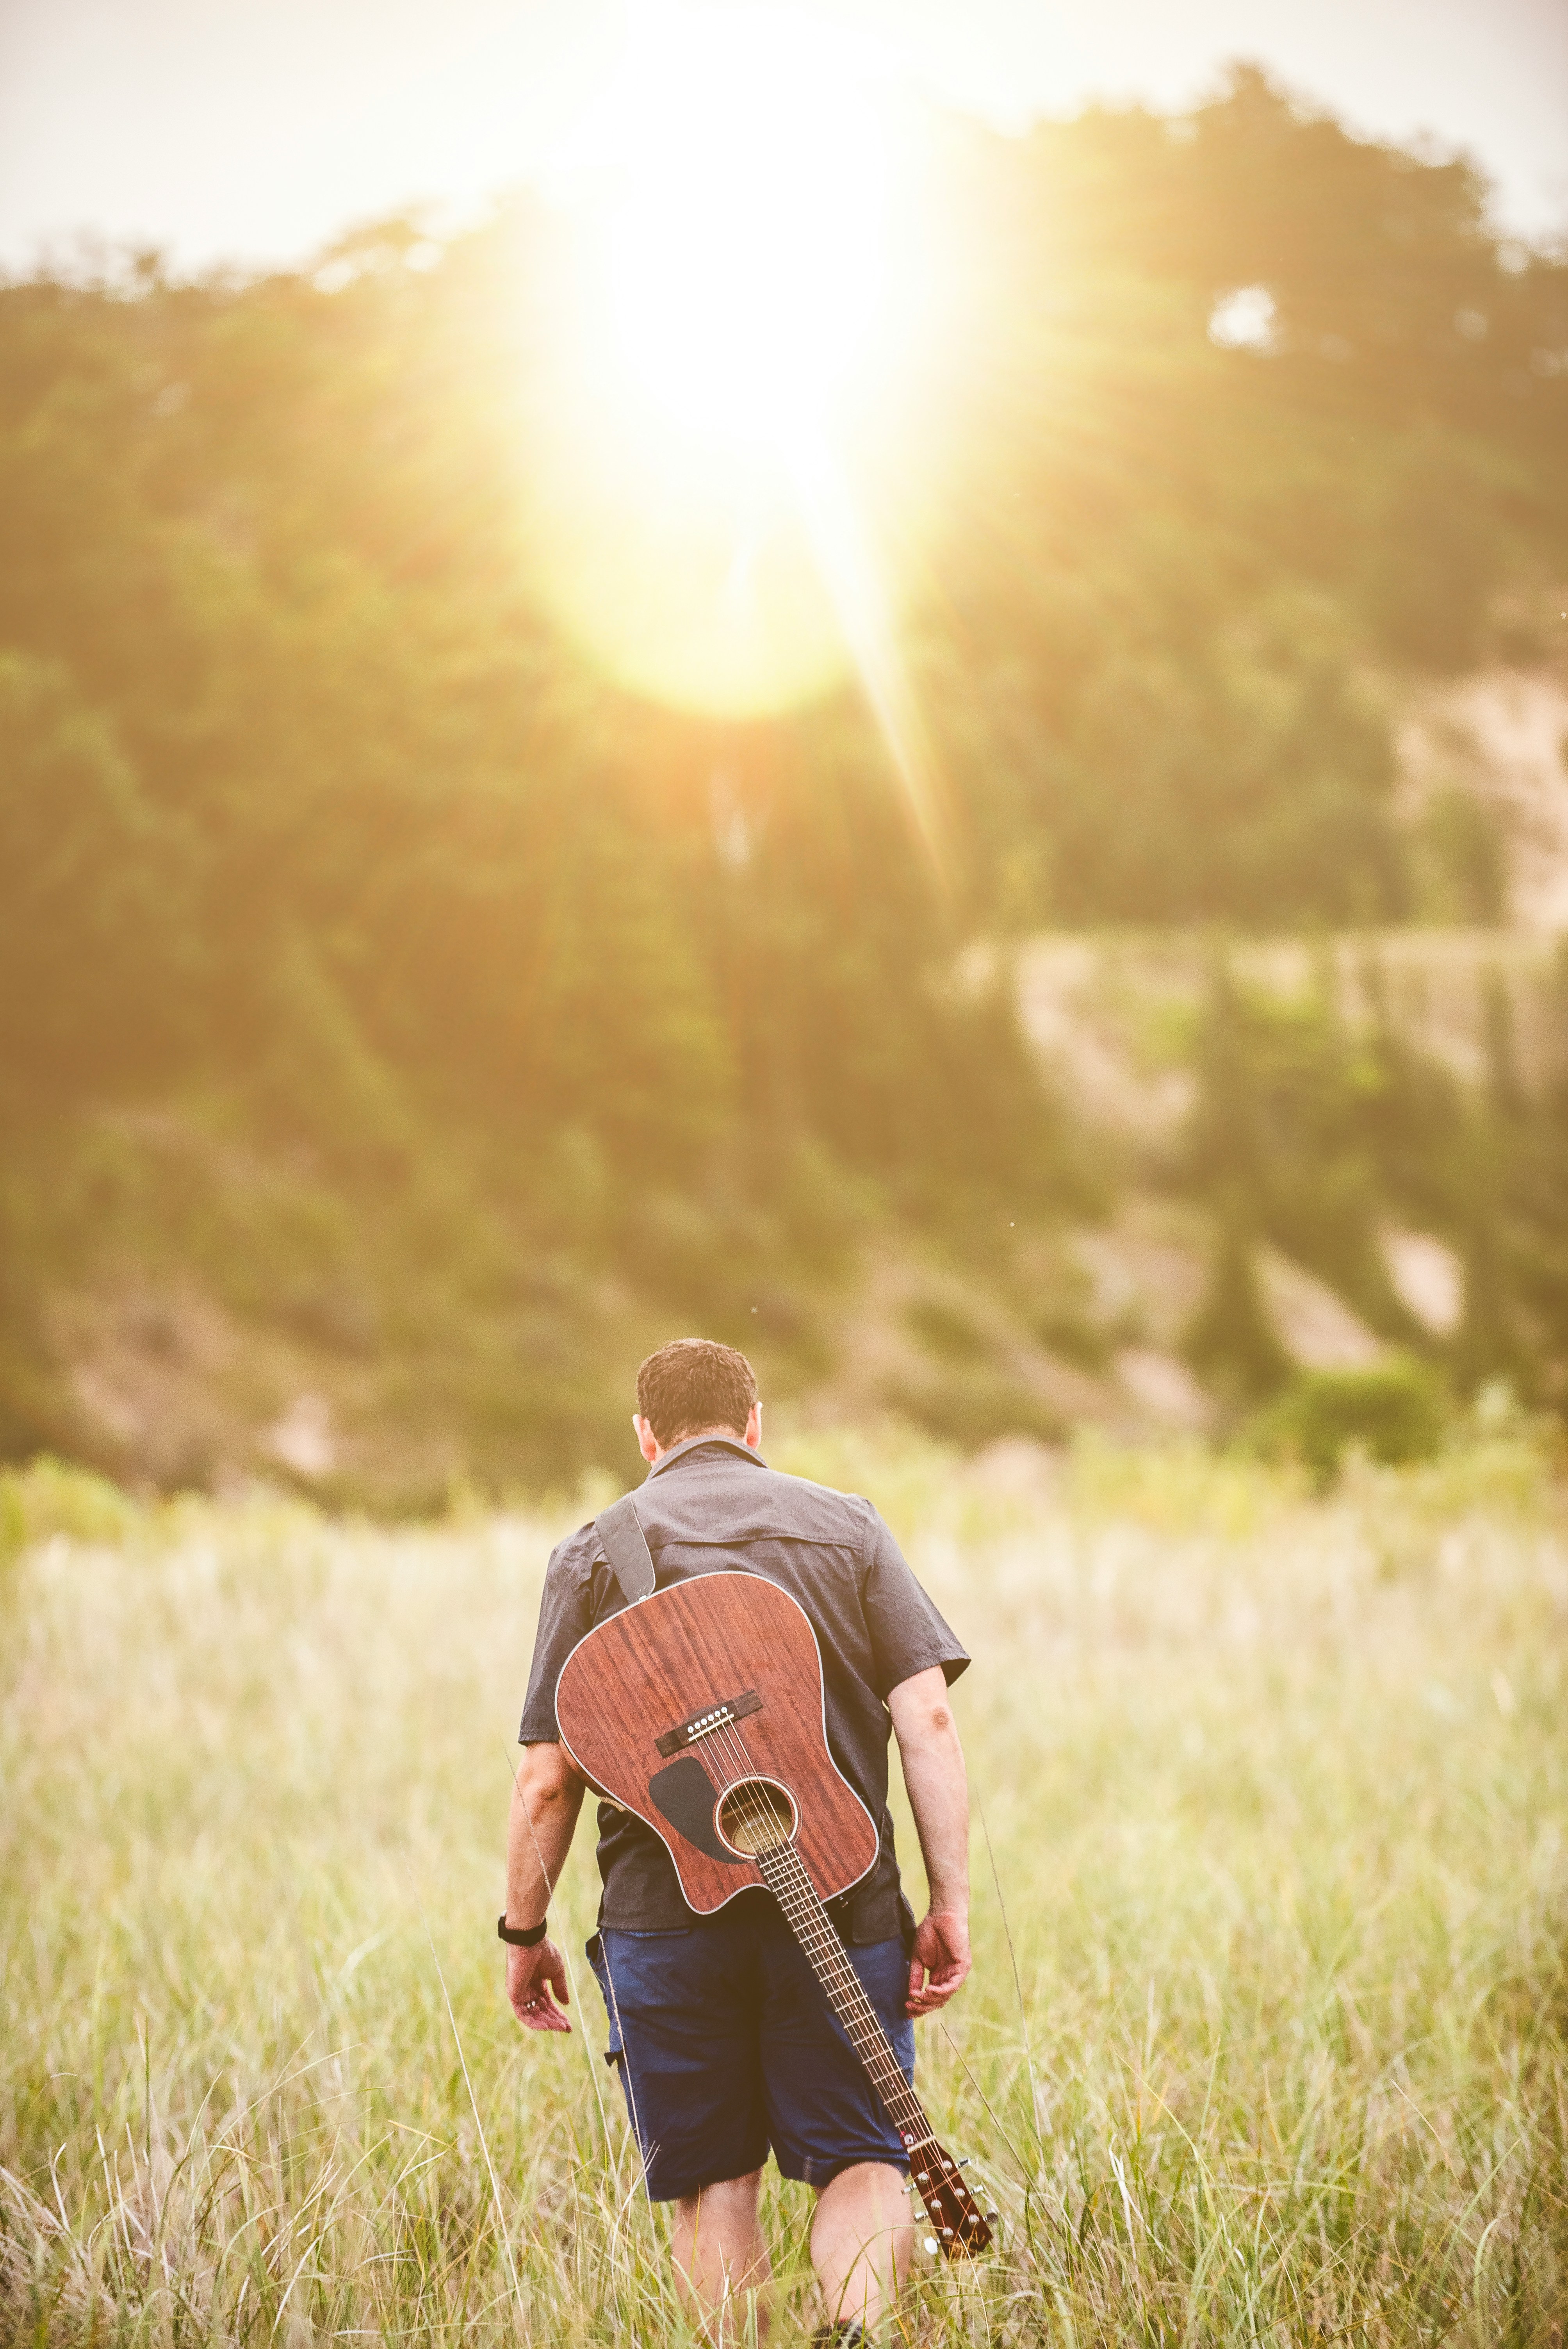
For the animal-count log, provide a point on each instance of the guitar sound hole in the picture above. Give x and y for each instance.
(756, 1815)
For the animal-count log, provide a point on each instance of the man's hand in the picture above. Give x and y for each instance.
(939, 1961)
(535, 1981)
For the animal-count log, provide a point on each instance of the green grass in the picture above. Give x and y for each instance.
(1266, 2041)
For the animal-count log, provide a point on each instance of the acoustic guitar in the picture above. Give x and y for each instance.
(699, 1708)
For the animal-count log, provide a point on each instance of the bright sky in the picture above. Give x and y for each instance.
(256, 129)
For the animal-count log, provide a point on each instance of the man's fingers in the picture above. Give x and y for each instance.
(934, 1995)
(539, 2011)
(934, 1977)
(536, 1985)
(546, 2016)
(536, 1988)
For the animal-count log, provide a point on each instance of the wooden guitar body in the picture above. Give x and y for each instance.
(651, 1674)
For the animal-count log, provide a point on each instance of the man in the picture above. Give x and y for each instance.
(724, 2044)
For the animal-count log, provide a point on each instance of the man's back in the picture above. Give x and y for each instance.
(713, 1505)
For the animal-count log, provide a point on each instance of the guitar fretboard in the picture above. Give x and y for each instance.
(784, 1873)
(961, 2226)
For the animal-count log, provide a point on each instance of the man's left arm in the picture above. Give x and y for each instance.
(547, 1790)
(546, 1796)
(932, 1762)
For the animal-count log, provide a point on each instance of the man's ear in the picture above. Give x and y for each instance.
(647, 1441)
(754, 1427)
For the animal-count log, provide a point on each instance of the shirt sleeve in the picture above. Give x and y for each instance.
(565, 1616)
(907, 1634)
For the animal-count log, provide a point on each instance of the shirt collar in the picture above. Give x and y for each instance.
(694, 1443)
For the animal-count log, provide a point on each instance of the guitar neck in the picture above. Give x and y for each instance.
(959, 2225)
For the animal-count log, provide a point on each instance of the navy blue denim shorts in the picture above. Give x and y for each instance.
(727, 2048)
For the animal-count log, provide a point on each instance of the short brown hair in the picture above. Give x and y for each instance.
(695, 1384)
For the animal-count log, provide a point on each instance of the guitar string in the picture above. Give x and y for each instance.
(803, 1910)
(943, 2190)
(798, 1899)
(745, 1789)
(790, 1881)
(802, 1907)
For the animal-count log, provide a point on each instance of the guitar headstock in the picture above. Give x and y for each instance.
(961, 2228)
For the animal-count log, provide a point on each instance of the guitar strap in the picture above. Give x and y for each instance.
(625, 1544)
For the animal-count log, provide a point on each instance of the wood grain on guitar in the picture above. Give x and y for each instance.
(700, 1709)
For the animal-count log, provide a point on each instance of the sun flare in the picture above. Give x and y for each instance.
(744, 248)
(739, 307)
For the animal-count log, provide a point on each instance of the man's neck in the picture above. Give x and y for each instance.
(696, 1435)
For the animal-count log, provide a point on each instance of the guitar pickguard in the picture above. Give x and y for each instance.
(683, 1794)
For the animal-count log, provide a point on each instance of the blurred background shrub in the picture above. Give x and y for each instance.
(1395, 1412)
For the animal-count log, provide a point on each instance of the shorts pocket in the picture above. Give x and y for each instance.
(593, 1950)
(907, 1928)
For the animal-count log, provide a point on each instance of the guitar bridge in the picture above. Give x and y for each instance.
(703, 1724)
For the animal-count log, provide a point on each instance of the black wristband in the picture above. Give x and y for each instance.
(520, 1936)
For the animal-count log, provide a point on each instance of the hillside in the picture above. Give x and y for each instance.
(225, 1320)
(406, 1015)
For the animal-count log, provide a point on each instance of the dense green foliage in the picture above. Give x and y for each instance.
(1178, 560)
(1393, 1412)
(312, 824)
(1314, 1133)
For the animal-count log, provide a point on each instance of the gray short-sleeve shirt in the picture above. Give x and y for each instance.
(712, 1505)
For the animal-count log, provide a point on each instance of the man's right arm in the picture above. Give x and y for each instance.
(546, 1796)
(933, 1773)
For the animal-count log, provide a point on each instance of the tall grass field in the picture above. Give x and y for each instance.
(1267, 2037)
